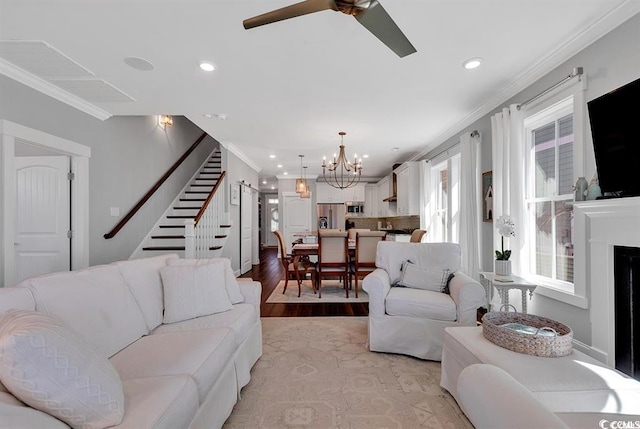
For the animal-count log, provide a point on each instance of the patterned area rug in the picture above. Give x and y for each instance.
(332, 291)
(316, 372)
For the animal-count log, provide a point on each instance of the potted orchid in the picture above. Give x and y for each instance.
(506, 228)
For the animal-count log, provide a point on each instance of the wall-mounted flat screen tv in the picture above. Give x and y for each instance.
(615, 127)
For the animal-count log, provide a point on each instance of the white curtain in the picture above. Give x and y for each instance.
(507, 130)
(470, 203)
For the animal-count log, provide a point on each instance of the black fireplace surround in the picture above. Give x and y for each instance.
(627, 309)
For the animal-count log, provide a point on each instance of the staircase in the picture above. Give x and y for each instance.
(168, 235)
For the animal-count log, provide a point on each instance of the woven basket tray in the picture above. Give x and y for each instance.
(536, 345)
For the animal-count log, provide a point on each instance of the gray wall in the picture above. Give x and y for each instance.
(129, 154)
(609, 63)
(237, 171)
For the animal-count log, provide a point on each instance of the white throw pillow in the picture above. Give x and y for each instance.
(425, 278)
(231, 283)
(189, 291)
(48, 366)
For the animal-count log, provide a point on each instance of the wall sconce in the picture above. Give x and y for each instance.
(165, 120)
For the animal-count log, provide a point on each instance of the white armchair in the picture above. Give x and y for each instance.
(412, 321)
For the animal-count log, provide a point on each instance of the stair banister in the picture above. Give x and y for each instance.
(201, 232)
(153, 189)
(208, 200)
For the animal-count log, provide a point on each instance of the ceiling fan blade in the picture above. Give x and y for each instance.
(298, 9)
(377, 21)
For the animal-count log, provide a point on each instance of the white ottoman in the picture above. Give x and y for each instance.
(573, 383)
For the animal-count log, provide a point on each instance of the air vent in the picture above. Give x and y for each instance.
(97, 91)
(42, 60)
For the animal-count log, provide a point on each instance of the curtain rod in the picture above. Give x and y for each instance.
(577, 71)
(474, 133)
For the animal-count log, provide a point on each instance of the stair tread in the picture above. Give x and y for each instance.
(193, 199)
(215, 247)
(167, 236)
(171, 226)
(194, 185)
(220, 236)
(164, 248)
(186, 208)
(180, 217)
(225, 226)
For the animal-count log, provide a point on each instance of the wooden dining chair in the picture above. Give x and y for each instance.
(364, 261)
(353, 231)
(287, 262)
(416, 235)
(333, 258)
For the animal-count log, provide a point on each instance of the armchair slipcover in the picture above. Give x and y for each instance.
(412, 321)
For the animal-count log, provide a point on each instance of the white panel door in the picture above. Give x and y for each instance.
(246, 229)
(43, 216)
(297, 217)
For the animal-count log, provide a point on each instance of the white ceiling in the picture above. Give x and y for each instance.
(289, 87)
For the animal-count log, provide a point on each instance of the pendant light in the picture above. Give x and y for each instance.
(306, 193)
(301, 183)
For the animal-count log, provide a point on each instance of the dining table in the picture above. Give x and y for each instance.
(302, 251)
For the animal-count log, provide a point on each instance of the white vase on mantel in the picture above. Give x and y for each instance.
(502, 268)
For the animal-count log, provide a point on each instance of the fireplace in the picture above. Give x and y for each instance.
(626, 272)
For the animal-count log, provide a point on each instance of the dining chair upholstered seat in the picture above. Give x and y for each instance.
(333, 258)
(304, 266)
(416, 236)
(353, 231)
(364, 260)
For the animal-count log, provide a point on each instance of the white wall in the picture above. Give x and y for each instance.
(609, 63)
(129, 154)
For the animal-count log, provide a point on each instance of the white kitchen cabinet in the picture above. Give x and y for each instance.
(371, 200)
(328, 194)
(355, 193)
(408, 177)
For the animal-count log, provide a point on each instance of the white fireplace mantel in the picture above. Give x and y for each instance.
(599, 226)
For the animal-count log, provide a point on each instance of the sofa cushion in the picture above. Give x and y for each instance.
(17, 415)
(241, 318)
(189, 291)
(424, 304)
(143, 278)
(96, 302)
(425, 278)
(166, 402)
(16, 298)
(202, 354)
(390, 255)
(231, 283)
(52, 368)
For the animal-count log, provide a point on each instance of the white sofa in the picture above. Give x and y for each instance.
(412, 321)
(177, 375)
(510, 405)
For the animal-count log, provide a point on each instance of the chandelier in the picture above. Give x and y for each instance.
(301, 183)
(340, 173)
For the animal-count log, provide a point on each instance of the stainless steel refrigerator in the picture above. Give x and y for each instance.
(331, 216)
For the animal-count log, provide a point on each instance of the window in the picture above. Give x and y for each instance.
(444, 200)
(549, 178)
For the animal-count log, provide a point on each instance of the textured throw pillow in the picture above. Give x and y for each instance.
(53, 369)
(417, 277)
(231, 284)
(189, 291)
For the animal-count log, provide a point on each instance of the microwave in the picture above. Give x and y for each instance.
(355, 208)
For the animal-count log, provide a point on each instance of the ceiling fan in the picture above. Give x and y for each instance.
(369, 13)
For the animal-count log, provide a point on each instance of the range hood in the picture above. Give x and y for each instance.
(394, 186)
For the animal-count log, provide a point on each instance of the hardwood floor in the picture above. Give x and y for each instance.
(270, 272)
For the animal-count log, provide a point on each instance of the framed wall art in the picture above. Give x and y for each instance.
(487, 196)
(234, 198)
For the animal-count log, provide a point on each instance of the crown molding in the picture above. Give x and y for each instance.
(244, 158)
(576, 43)
(41, 85)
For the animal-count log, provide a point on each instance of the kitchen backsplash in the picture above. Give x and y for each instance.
(400, 222)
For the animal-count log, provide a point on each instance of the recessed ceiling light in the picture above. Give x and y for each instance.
(395, 149)
(272, 156)
(221, 116)
(285, 173)
(138, 63)
(206, 66)
(273, 187)
(264, 182)
(365, 156)
(472, 63)
(208, 115)
(279, 165)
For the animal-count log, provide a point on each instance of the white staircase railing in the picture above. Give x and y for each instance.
(205, 235)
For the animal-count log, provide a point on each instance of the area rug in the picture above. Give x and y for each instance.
(332, 291)
(317, 373)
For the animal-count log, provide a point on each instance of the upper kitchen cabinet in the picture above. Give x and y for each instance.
(408, 189)
(371, 200)
(328, 194)
(385, 193)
